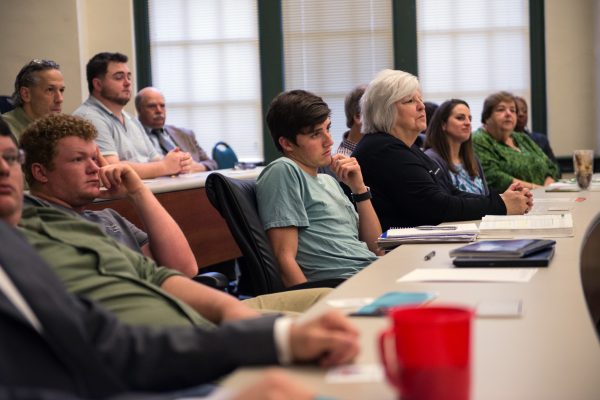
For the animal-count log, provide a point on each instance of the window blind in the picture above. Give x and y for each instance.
(468, 49)
(205, 60)
(332, 46)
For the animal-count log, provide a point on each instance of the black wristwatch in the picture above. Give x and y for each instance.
(357, 198)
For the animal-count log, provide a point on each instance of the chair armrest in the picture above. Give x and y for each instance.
(325, 283)
(215, 280)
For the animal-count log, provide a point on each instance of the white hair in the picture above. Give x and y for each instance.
(377, 105)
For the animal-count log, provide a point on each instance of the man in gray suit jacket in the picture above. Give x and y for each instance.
(152, 113)
(55, 345)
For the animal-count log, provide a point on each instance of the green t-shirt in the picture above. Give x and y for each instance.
(328, 243)
(17, 120)
(501, 163)
(94, 265)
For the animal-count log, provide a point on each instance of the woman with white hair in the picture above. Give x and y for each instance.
(408, 188)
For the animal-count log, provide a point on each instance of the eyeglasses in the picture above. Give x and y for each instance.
(11, 157)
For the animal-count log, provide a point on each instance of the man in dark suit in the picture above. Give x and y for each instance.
(152, 113)
(53, 344)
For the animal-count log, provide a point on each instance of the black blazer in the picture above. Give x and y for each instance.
(84, 350)
(409, 189)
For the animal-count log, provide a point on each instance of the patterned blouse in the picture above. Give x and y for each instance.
(502, 163)
(463, 181)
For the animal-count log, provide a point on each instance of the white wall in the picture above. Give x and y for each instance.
(66, 31)
(40, 29)
(572, 74)
(71, 31)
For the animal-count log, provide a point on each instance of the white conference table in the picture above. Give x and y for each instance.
(550, 352)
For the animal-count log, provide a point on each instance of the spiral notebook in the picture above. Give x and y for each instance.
(538, 226)
(466, 232)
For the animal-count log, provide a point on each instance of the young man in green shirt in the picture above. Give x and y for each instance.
(62, 169)
(314, 230)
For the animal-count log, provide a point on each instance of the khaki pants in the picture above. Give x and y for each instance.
(292, 302)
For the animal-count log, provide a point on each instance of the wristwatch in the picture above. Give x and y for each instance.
(357, 198)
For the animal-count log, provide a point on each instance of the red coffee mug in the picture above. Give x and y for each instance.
(426, 353)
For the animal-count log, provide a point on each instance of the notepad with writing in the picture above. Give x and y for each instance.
(542, 225)
(466, 232)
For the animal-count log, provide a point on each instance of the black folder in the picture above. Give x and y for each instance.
(540, 259)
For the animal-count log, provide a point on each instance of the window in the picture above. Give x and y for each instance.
(332, 46)
(469, 49)
(205, 60)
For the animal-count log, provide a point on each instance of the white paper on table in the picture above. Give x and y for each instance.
(555, 199)
(354, 373)
(518, 275)
(351, 302)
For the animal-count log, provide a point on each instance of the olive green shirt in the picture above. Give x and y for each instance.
(17, 120)
(94, 265)
(501, 163)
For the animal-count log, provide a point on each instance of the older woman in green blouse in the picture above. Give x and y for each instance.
(508, 156)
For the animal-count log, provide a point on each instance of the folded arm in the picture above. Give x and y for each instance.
(284, 242)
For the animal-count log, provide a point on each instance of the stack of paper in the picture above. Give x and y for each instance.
(545, 225)
(428, 234)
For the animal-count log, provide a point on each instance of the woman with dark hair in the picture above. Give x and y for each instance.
(507, 156)
(407, 186)
(448, 143)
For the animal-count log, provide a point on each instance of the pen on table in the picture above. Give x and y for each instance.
(429, 255)
(435, 227)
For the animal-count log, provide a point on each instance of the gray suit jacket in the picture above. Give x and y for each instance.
(85, 351)
(185, 139)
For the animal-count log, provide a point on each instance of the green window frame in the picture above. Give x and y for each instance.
(405, 54)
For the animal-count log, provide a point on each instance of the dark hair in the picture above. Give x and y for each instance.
(295, 112)
(492, 101)
(352, 104)
(98, 65)
(437, 138)
(41, 137)
(27, 77)
(430, 108)
(5, 131)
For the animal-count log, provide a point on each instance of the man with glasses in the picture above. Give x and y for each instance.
(122, 138)
(58, 346)
(39, 89)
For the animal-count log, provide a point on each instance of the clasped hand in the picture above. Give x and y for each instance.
(517, 199)
(178, 162)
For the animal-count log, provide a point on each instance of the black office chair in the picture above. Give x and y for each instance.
(6, 104)
(224, 155)
(215, 280)
(259, 271)
(590, 273)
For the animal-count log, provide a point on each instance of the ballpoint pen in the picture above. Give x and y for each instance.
(433, 227)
